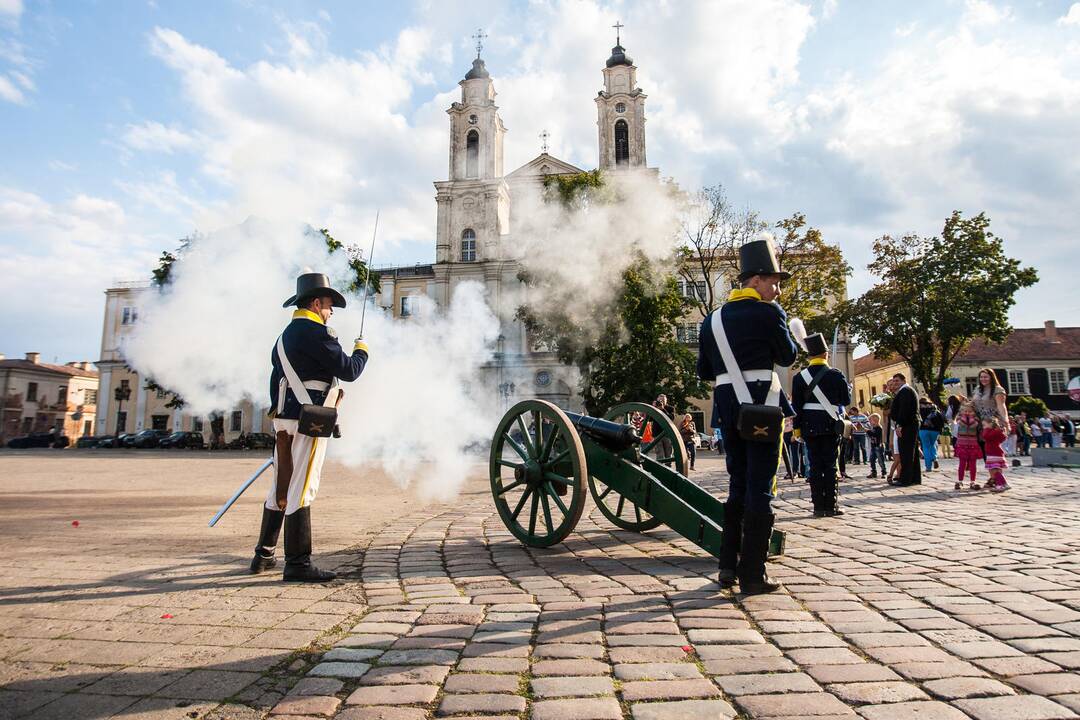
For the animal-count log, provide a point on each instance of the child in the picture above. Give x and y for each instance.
(877, 445)
(967, 444)
(993, 436)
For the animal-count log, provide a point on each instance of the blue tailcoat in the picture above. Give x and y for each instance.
(835, 388)
(315, 354)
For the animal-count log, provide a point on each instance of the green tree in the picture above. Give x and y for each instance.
(634, 354)
(936, 295)
(1034, 407)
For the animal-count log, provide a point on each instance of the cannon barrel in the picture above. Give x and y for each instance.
(612, 435)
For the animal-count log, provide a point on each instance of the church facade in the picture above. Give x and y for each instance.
(475, 222)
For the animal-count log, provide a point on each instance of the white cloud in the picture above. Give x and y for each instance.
(9, 91)
(11, 8)
(155, 137)
(828, 8)
(984, 12)
(1072, 17)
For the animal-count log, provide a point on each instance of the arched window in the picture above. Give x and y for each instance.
(622, 143)
(472, 154)
(468, 245)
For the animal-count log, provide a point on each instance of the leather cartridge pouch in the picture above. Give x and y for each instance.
(760, 423)
(317, 420)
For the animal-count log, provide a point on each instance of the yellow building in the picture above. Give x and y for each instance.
(37, 397)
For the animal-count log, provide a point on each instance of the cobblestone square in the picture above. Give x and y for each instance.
(920, 602)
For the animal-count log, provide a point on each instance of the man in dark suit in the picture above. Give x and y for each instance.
(904, 414)
(756, 329)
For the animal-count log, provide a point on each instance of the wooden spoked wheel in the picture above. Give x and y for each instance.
(614, 506)
(535, 455)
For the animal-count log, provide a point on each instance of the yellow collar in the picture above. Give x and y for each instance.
(819, 361)
(743, 294)
(307, 315)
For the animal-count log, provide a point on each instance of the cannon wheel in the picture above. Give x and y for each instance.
(614, 506)
(536, 451)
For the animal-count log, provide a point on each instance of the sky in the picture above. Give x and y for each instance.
(126, 125)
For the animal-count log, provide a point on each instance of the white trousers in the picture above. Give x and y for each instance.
(308, 454)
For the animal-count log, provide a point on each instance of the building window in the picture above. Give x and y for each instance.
(862, 398)
(472, 154)
(61, 395)
(1018, 382)
(970, 385)
(873, 390)
(235, 421)
(31, 392)
(90, 397)
(1059, 381)
(88, 427)
(687, 333)
(159, 422)
(468, 245)
(692, 290)
(196, 425)
(622, 143)
(407, 306)
(130, 315)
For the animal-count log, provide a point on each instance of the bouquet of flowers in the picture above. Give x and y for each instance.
(882, 400)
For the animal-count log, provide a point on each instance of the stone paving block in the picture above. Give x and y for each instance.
(405, 675)
(461, 632)
(863, 672)
(495, 650)
(725, 637)
(648, 640)
(764, 684)
(566, 651)
(1015, 707)
(481, 683)
(966, 687)
(554, 687)
(493, 665)
(383, 713)
(734, 652)
(859, 693)
(936, 670)
(345, 654)
(419, 657)
(576, 709)
(745, 666)
(654, 654)
(381, 628)
(392, 695)
(428, 643)
(682, 709)
(208, 685)
(482, 703)
(319, 705)
(793, 705)
(925, 710)
(824, 656)
(578, 667)
(1068, 660)
(340, 669)
(1048, 683)
(657, 671)
(371, 641)
(807, 640)
(668, 689)
(317, 686)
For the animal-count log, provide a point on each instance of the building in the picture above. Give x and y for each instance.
(127, 404)
(1039, 362)
(37, 397)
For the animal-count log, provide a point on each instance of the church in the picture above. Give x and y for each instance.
(475, 221)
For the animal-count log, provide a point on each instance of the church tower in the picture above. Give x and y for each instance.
(474, 203)
(620, 109)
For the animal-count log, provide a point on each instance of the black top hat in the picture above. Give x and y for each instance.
(815, 344)
(311, 285)
(758, 257)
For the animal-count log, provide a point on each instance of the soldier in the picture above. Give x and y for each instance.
(816, 392)
(757, 332)
(314, 357)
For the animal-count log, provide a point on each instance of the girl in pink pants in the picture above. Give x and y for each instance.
(968, 452)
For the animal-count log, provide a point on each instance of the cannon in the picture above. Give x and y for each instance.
(542, 457)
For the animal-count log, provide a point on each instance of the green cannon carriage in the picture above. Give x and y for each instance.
(542, 457)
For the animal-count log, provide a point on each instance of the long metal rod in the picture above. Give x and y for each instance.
(367, 279)
(236, 495)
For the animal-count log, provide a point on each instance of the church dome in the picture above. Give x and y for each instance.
(478, 70)
(619, 57)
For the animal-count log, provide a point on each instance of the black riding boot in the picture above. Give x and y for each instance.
(268, 537)
(298, 567)
(832, 504)
(757, 530)
(730, 542)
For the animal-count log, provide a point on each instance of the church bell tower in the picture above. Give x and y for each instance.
(620, 109)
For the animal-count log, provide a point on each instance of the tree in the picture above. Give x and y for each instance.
(1034, 407)
(936, 295)
(712, 232)
(632, 353)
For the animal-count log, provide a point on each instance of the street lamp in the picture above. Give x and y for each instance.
(506, 389)
(121, 394)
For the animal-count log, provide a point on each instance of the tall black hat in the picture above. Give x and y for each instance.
(758, 257)
(815, 344)
(310, 285)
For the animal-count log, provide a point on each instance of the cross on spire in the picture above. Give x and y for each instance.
(544, 141)
(480, 36)
(618, 27)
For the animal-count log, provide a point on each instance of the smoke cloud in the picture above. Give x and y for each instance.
(209, 334)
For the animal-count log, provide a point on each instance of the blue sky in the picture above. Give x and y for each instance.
(127, 125)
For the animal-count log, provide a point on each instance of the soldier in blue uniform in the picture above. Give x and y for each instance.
(312, 350)
(757, 330)
(817, 422)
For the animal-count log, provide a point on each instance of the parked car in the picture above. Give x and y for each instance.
(182, 439)
(113, 441)
(145, 439)
(88, 441)
(39, 440)
(704, 441)
(260, 441)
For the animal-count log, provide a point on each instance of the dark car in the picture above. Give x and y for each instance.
(146, 439)
(183, 439)
(260, 441)
(113, 441)
(88, 441)
(34, 440)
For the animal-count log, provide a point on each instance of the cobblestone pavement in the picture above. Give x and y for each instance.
(920, 602)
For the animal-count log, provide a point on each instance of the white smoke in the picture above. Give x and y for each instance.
(209, 334)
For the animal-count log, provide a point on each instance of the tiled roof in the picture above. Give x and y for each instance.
(68, 370)
(1023, 344)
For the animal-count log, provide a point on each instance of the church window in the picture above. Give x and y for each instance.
(472, 154)
(468, 246)
(622, 143)
(620, 107)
